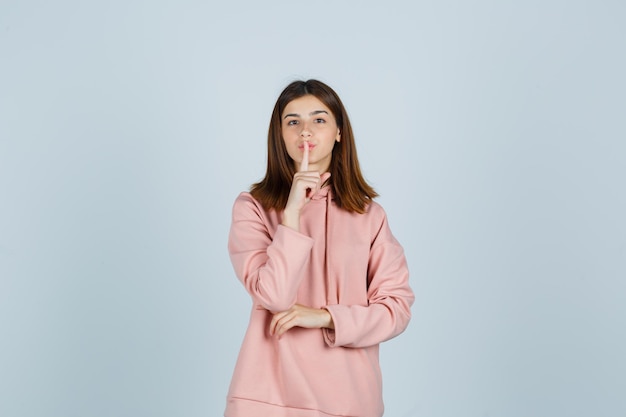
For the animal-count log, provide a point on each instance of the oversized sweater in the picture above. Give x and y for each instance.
(347, 263)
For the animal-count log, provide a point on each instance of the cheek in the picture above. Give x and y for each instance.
(290, 145)
(287, 134)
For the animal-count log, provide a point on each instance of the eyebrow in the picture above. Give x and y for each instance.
(313, 113)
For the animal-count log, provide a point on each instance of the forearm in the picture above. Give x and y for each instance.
(291, 219)
(362, 326)
(271, 274)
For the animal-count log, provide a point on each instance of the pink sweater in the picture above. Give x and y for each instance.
(345, 262)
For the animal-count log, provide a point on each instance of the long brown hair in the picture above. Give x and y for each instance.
(351, 191)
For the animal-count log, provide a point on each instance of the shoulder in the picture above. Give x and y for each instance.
(379, 225)
(245, 197)
(375, 208)
(375, 213)
(246, 206)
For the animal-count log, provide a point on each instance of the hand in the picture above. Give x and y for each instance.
(300, 316)
(304, 185)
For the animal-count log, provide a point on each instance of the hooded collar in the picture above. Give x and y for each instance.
(325, 193)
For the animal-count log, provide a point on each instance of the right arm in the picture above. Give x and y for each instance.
(270, 267)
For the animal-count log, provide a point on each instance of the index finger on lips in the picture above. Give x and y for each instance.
(304, 166)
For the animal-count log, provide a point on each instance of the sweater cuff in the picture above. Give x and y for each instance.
(330, 335)
(289, 233)
(293, 241)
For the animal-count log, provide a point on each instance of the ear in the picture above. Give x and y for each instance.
(338, 138)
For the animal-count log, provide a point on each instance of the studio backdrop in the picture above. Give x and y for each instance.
(494, 132)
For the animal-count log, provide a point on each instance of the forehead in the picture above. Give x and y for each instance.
(305, 105)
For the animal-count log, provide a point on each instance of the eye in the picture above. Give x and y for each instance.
(292, 122)
(320, 120)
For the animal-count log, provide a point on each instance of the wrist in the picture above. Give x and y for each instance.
(329, 323)
(291, 219)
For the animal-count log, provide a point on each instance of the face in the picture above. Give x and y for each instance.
(307, 119)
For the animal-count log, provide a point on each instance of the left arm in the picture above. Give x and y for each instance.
(389, 299)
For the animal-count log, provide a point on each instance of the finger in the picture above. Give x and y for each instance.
(286, 324)
(304, 166)
(319, 182)
(307, 176)
(307, 182)
(272, 324)
(275, 319)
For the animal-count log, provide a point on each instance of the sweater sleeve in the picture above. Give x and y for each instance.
(389, 299)
(270, 267)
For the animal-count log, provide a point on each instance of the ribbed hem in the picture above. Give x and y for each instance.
(241, 407)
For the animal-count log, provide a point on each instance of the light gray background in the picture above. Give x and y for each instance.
(495, 132)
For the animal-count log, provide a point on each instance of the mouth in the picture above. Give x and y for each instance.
(301, 147)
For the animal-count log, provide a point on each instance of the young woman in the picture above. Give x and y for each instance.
(328, 280)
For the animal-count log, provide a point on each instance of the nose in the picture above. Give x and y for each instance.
(306, 131)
